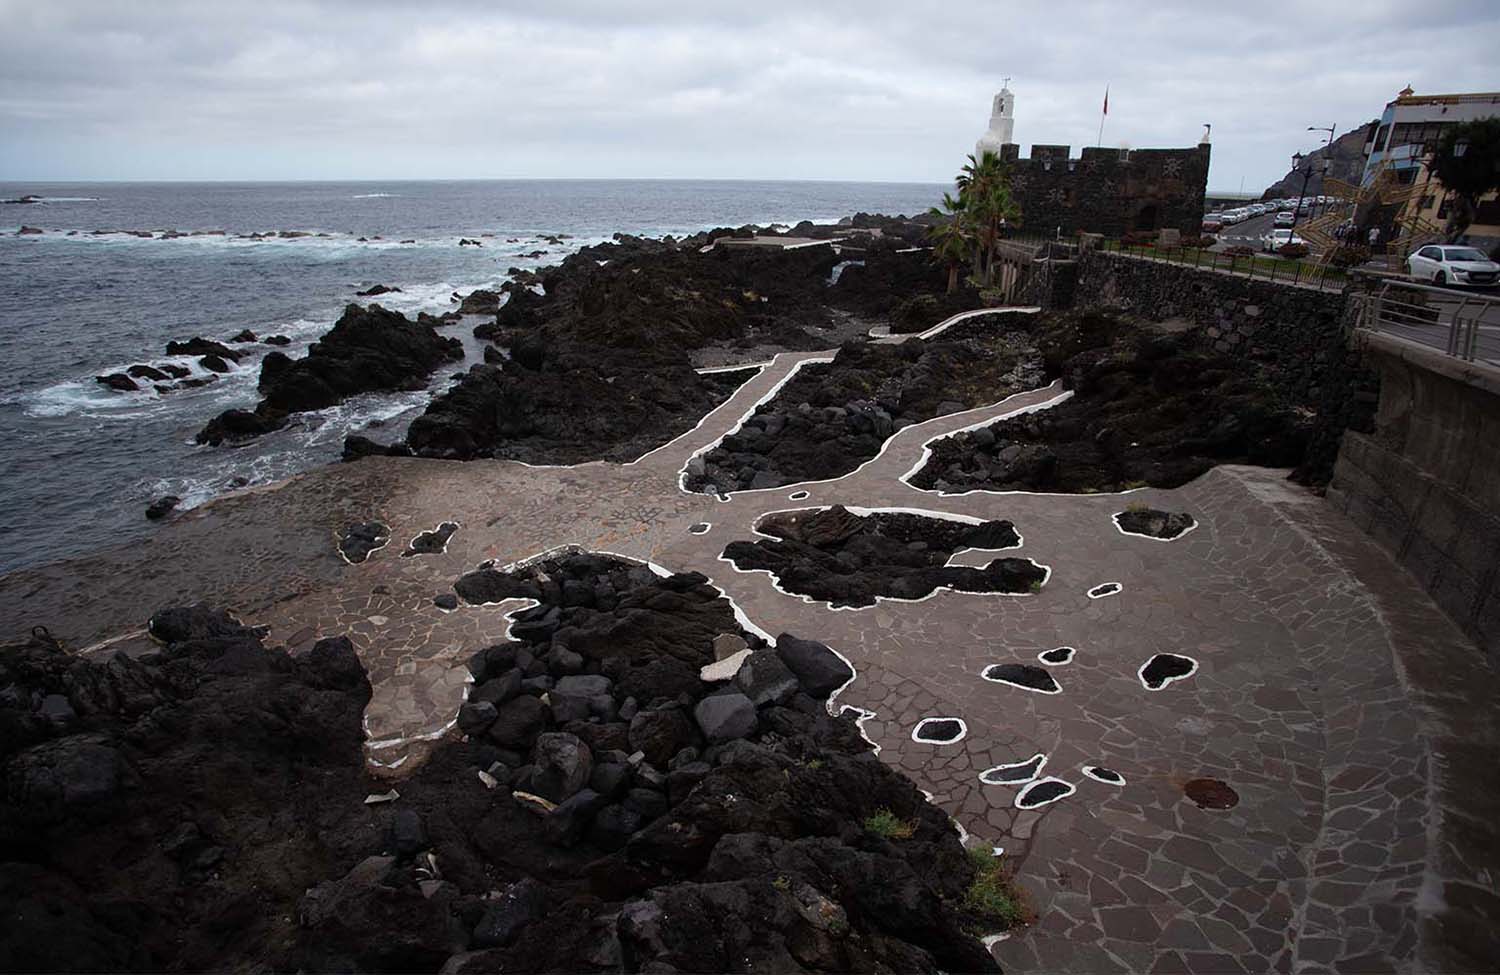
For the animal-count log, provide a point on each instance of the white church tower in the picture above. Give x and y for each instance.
(1002, 122)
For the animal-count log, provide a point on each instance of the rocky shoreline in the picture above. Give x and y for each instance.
(604, 808)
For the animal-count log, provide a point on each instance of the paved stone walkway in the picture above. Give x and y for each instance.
(1360, 840)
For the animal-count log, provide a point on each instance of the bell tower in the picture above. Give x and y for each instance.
(1002, 123)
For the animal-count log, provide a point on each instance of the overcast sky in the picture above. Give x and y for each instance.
(818, 89)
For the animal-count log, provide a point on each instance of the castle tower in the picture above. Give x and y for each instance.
(1002, 124)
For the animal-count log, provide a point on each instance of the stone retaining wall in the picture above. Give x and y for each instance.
(1426, 483)
(1299, 334)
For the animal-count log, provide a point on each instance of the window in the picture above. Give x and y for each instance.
(1442, 213)
(1430, 252)
(1463, 254)
(1426, 202)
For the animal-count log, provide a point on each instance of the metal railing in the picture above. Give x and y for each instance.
(1441, 318)
(1265, 268)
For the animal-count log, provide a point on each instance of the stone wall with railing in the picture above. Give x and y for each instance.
(1299, 335)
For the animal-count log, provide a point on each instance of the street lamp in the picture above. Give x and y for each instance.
(1329, 150)
(1297, 159)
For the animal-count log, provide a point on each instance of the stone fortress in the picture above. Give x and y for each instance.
(1107, 191)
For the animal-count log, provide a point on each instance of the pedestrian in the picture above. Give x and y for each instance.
(1374, 238)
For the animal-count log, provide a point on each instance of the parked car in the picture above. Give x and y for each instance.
(1285, 218)
(1443, 264)
(1212, 223)
(1279, 238)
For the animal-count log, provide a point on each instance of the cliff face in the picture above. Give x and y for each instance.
(1348, 155)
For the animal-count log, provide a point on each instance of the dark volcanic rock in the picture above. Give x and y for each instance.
(367, 350)
(819, 669)
(1154, 523)
(829, 419)
(377, 289)
(198, 346)
(176, 770)
(577, 409)
(1148, 407)
(118, 381)
(359, 540)
(142, 371)
(849, 560)
(429, 542)
(223, 782)
(162, 506)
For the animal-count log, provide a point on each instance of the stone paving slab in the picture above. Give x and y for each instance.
(1322, 691)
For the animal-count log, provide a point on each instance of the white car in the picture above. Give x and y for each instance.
(1286, 218)
(1448, 264)
(1279, 238)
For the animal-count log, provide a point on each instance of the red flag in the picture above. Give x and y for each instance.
(1106, 99)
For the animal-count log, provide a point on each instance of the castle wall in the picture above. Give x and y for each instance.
(1109, 191)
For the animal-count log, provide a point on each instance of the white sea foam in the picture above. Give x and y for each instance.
(374, 196)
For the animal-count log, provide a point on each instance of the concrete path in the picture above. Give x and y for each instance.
(1359, 841)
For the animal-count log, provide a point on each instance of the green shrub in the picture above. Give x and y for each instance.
(995, 904)
(885, 823)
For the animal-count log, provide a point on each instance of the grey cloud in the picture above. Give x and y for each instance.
(876, 89)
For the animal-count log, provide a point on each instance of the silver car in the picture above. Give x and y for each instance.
(1449, 264)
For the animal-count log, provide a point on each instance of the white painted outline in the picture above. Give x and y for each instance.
(855, 510)
(433, 530)
(1092, 771)
(985, 674)
(1094, 592)
(1016, 765)
(1169, 681)
(682, 474)
(1175, 538)
(707, 527)
(1033, 786)
(945, 324)
(1072, 652)
(797, 496)
(711, 370)
(963, 732)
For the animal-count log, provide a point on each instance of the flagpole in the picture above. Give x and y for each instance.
(1100, 141)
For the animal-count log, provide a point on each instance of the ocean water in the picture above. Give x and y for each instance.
(79, 463)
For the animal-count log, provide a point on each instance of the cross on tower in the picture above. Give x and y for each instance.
(1005, 83)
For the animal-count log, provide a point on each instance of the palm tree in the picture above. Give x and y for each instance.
(950, 238)
(986, 205)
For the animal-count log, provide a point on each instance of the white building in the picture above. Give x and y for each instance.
(1002, 124)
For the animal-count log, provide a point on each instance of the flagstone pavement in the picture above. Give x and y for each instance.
(1357, 726)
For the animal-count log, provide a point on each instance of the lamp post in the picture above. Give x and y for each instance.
(1328, 146)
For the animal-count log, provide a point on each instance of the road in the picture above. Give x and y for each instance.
(1487, 348)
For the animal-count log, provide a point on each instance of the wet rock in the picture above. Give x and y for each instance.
(377, 289)
(367, 350)
(214, 363)
(162, 507)
(244, 335)
(199, 346)
(117, 381)
(445, 600)
(142, 371)
(276, 340)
